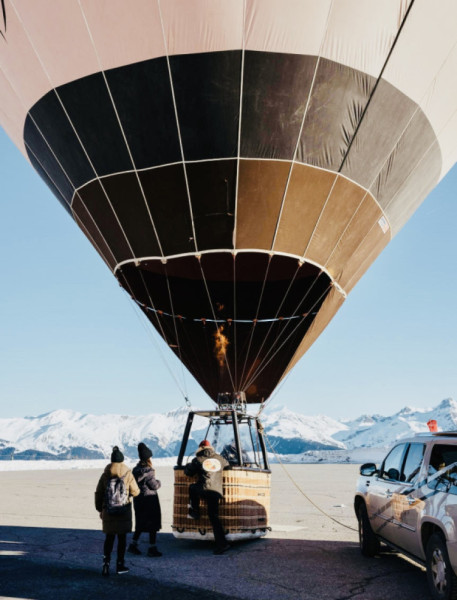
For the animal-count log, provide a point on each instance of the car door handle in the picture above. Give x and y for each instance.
(389, 494)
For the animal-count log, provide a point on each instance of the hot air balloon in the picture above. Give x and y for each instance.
(237, 164)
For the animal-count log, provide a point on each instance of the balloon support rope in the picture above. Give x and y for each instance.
(302, 492)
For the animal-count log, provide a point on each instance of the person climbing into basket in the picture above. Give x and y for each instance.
(208, 466)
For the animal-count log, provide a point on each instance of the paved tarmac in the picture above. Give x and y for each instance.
(51, 546)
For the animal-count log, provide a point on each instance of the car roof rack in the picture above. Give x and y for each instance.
(436, 434)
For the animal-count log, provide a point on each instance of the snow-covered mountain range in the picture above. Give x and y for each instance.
(64, 434)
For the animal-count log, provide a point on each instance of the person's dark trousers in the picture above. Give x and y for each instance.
(152, 537)
(121, 545)
(194, 497)
(212, 500)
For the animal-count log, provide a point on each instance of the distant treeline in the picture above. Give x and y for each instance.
(10, 453)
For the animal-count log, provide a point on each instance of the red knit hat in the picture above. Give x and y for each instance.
(204, 444)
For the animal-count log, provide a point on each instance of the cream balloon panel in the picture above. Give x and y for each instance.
(58, 42)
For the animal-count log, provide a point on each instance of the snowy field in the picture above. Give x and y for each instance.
(49, 465)
(357, 456)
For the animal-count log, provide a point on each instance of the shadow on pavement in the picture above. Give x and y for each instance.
(65, 564)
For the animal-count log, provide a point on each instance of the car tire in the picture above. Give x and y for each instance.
(369, 543)
(440, 574)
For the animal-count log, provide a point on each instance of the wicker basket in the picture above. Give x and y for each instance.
(244, 511)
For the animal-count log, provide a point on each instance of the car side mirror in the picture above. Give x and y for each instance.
(368, 469)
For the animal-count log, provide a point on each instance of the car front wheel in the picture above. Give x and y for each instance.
(369, 543)
(440, 575)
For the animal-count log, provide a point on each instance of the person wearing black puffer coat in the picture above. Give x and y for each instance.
(148, 518)
(208, 466)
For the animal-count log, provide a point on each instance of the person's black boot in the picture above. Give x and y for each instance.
(221, 548)
(121, 568)
(133, 549)
(105, 568)
(152, 551)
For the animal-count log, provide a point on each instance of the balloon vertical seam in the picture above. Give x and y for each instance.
(189, 199)
(240, 118)
(375, 87)
(102, 71)
(308, 101)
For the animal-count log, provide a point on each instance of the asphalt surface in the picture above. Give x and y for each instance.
(51, 546)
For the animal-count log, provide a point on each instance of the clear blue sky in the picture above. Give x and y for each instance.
(71, 338)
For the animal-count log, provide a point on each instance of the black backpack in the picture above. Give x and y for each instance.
(116, 496)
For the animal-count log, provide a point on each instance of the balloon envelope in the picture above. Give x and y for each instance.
(237, 165)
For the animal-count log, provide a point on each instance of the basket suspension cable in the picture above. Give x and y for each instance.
(175, 328)
(161, 354)
(264, 404)
(183, 390)
(156, 312)
(215, 320)
(255, 319)
(273, 350)
(302, 492)
(272, 323)
(235, 344)
(279, 336)
(267, 358)
(193, 351)
(164, 336)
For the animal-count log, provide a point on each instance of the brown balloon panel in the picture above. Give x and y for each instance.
(234, 320)
(150, 114)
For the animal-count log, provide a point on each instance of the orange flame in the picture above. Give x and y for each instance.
(220, 345)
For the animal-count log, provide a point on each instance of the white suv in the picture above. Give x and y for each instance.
(410, 503)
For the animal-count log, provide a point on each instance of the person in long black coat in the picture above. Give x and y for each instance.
(148, 517)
